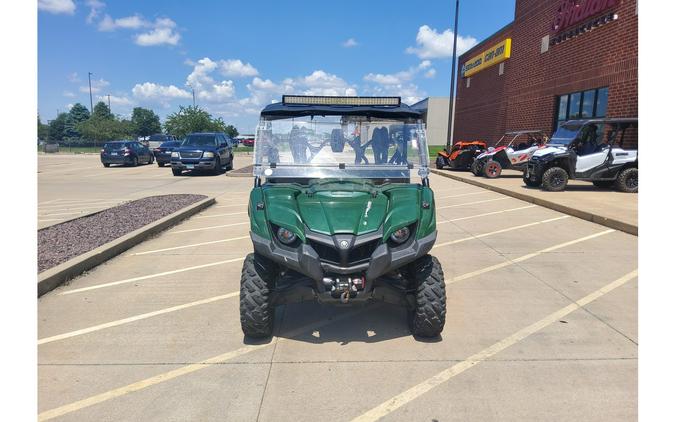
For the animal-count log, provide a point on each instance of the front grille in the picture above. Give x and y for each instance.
(191, 154)
(326, 253)
(357, 255)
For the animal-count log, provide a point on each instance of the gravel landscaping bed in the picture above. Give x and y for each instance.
(61, 242)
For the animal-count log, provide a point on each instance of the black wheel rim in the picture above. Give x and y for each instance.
(556, 181)
(632, 181)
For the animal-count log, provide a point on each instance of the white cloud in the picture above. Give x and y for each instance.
(128, 22)
(409, 93)
(156, 92)
(199, 77)
(217, 92)
(350, 43)
(96, 86)
(400, 77)
(68, 94)
(115, 100)
(57, 6)
(323, 83)
(237, 68)
(163, 32)
(432, 44)
(95, 6)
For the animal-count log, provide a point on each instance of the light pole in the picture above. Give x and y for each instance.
(451, 120)
(193, 95)
(91, 98)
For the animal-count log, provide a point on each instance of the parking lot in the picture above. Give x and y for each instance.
(541, 321)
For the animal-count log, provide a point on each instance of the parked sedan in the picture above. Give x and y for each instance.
(127, 153)
(203, 151)
(163, 152)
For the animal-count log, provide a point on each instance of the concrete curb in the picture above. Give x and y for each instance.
(52, 278)
(584, 215)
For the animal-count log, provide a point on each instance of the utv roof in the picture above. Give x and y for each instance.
(377, 107)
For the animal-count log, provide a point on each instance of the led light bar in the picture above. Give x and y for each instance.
(346, 101)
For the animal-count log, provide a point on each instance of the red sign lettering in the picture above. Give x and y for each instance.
(571, 12)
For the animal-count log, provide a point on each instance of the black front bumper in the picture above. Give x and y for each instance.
(200, 164)
(306, 260)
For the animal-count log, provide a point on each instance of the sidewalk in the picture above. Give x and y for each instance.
(608, 207)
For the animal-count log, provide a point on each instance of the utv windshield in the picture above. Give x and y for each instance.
(565, 134)
(340, 147)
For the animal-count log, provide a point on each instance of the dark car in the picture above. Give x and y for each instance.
(127, 153)
(208, 151)
(154, 141)
(163, 152)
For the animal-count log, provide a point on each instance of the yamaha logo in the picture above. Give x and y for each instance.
(344, 244)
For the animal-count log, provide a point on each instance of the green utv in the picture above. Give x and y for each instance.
(334, 215)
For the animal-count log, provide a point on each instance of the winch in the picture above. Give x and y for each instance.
(344, 287)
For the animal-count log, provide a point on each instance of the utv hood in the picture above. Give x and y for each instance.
(342, 208)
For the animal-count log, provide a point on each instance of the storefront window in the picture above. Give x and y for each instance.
(601, 102)
(588, 104)
(582, 105)
(575, 103)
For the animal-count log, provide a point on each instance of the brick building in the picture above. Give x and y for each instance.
(558, 60)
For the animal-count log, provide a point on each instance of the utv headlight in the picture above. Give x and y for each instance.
(400, 235)
(208, 154)
(286, 236)
(174, 154)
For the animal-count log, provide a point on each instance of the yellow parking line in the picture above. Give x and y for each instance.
(135, 318)
(485, 214)
(526, 257)
(464, 194)
(427, 385)
(188, 369)
(146, 277)
(209, 228)
(472, 203)
(536, 223)
(222, 215)
(189, 246)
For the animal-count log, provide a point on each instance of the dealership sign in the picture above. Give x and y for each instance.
(490, 57)
(572, 12)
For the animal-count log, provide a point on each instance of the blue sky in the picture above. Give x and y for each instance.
(240, 56)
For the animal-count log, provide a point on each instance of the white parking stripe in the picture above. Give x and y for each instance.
(209, 228)
(472, 203)
(478, 236)
(66, 207)
(67, 213)
(221, 215)
(146, 277)
(465, 194)
(188, 369)
(189, 246)
(51, 219)
(135, 318)
(427, 385)
(485, 214)
(525, 257)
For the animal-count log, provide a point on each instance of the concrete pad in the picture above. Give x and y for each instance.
(558, 390)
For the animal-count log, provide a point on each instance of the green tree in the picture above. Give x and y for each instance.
(77, 114)
(231, 131)
(145, 122)
(102, 110)
(102, 129)
(42, 130)
(57, 128)
(192, 119)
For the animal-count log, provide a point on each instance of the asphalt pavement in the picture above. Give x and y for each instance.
(541, 321)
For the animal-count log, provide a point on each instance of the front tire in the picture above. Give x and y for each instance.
(531, 183)
(428, 317)
(160, 164)
(106, 165)
(492, 169)
(554, 179)
(440, 162)
(134, 162)
(256, 311)
(628, 180)
(230, 165)
(176, 172)
(217, 167)
(476, 168)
